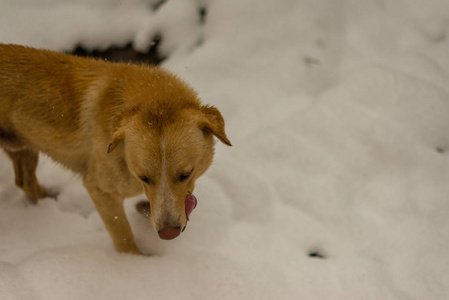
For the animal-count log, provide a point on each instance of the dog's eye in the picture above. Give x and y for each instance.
(146, 179)
(184, 176)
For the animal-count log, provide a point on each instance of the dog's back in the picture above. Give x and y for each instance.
(36, 81)
(42, 98)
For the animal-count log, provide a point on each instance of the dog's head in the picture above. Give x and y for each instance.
(167, 146)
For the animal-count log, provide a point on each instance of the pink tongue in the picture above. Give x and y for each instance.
(190, 204)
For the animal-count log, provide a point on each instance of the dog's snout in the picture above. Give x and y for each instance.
(169, 233)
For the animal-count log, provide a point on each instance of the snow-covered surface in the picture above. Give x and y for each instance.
(339, 115)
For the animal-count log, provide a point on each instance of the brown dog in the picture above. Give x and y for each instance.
(124, 128)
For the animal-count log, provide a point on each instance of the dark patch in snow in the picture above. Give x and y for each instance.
(126, 53)
(441, 150)
(200, 41)
(316, 254)
(158, 4)
(311, 60)
(203, 15)
(320, 43)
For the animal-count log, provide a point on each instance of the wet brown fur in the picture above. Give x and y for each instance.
(112, 123)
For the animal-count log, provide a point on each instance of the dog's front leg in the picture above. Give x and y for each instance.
(110, 208)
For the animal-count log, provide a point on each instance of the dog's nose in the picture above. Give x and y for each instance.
(169, 233)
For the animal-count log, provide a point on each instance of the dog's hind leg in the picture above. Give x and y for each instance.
(25, 164)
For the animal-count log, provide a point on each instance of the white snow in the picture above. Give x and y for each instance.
(338, 111)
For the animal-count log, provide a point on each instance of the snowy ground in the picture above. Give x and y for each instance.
(337, 186)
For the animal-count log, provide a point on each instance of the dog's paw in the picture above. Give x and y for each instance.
(129, 247)
(135, 251)
(144, 208)
(40, 193)
(51, 193)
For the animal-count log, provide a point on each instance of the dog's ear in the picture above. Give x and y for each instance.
(121, 119)
(118, 135)
(212, 122)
